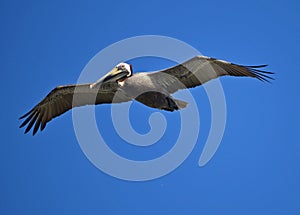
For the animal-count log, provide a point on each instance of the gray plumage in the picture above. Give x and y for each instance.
(153, 89)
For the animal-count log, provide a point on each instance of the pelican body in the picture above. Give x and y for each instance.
(153, 89)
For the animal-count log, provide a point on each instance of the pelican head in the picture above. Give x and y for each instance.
(118, 73)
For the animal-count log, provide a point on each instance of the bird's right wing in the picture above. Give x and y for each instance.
(64, 98)
(201, 69)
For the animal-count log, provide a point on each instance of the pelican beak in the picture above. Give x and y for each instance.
(114, 75)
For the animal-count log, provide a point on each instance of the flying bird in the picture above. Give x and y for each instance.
(153, 89)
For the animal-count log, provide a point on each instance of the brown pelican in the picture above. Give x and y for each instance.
(153, 89)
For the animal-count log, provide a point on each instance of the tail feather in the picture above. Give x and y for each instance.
(180, 104)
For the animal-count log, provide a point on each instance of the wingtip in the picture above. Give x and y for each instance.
(43, 126)
(34, 132)
(264, 76)
(26, 114)
(258, 66)
(23, 124)
(26, 131)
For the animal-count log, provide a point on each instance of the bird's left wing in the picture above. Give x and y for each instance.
(201, 69)
(64, 98)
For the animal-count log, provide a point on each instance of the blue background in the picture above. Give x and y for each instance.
(256, 168)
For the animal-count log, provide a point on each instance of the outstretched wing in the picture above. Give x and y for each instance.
(201, 69)
(64, 98)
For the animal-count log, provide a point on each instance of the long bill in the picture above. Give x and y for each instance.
(114, 75)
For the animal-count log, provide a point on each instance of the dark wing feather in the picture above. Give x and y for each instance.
(64, 98)
(201, 69)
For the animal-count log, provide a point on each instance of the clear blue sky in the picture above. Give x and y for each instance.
(255, 170)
